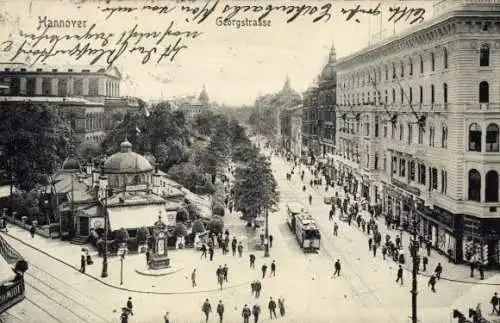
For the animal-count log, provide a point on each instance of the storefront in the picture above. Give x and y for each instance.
(481, 240)
(443, 230)
(399, 205)
(365, 187)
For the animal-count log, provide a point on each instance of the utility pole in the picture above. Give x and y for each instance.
(72, 203)
(414, 253)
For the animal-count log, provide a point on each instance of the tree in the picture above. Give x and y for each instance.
(215, 225)
(198, 226)
(180, 230)
(142, 235)
(255, 189)
(181, 215)
(35, 139)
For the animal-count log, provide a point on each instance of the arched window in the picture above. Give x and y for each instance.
(432, 134)
(492, 137)
(474, 186)
(411, 67)
(445, 93)
(421, 65)
(401, 94)
(393, 96)
(433, 62)
(410, 133)
(376, 126)
(491, 186)
(484, 92)
(474, 137)
(421, 94)
(484, 55)
(445, 58)
(444, 137)
(393, 71)
(433, 97)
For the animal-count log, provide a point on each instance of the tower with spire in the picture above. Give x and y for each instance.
(332, 58)
(203, 98)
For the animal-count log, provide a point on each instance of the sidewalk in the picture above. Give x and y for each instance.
(177, 282)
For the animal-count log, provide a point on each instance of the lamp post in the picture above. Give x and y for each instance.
(414, 253)
(266, 246)
(122, 257)
(103, 186)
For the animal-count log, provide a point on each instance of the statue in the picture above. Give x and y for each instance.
(159, 258)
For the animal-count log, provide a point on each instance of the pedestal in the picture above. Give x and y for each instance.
(158, 262)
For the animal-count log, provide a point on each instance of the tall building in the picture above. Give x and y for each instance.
(284, 100)
(90, 97)
(310, 124)
(192, 106)
(296, 131)
(418, 132)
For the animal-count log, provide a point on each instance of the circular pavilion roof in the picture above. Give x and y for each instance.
(127, 162)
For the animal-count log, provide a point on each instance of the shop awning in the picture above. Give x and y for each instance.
(133, 217)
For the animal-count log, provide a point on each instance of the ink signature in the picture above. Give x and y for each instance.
(351, 13)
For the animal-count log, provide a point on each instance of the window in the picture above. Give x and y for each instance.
(432, 94)
(376, 127)
(393, 96)
(401, 132)
(491, 186)
(421, 65)
(420, 135)
(411, 67)
(412, 170)
(394, 165)
(401, 94)
(484, 55)
(386, 73)
(431, 136)
(376, 161)
(444, 182)
(445, 58)
(492, 138)
(474, 186)
(393, 131)
(386, 96)
(402, 70)
(475, 137)
(445, 93)
(411, 95)
(421, 174)
(384, 165)
(367, 126)
(402, 170)
(433, 62)
(410, 133)
(393, 71)
(444, 137)
(484, 92)
(434, 178)
(385, 130)
(421, 94)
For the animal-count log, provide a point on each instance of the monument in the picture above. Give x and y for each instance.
(159, 258)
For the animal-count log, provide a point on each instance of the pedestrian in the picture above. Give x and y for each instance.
(252, 261)
(234, 243)
(253, 287)
(130, 306)
(165, 317)
(220, 311)
(83, 263)
(428, 247)
(337, 268)
(281, 305)
(400, 275)
(258, 288)
(472, 266)
(203, 251)
(481, 271)
(398, 242)
(193, 278)
(330, 217)
(432, 282)
(246, 314)
(272, 308)
(425, 261)
(264, 269)
(271, 241)
(33, 230)
(124, 315)
(384, 251)
(206, 308)
(439, 270)
(240, 249)
(370, 241)
(224, 272)
(374, 250)
(148, 256)
(256, 313)
(273, 268)
(310, 199)
(494, 304)
(211, 253)
(335, 229)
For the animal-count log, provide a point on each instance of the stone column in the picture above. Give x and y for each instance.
(85, 87)
(70, 90)
(55, 86)
(22, 85)
(101, 91)
(38, 86)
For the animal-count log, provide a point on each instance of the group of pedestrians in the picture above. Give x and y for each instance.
(246, 311)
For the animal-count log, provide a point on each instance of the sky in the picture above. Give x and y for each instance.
(235, 64)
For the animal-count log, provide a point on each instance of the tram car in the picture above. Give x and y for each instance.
(304, 227)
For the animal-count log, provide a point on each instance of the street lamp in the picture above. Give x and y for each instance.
(103, 186)
(414, 254)
(122, 257)
(266, 246)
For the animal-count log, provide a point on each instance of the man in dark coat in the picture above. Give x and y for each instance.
(246, 312)
(256, 313)
(203, 251)
(220, 311)
(234, 243)
(273, 268)
(258, 288)
(206, 308)
(337, 268)
(211, 253)
(252, 260)
(400, 275)
(438, 271)
(83, 263)
(272, 308)
(432, 282)
(264, 269)
(224, 272)
(130, 306)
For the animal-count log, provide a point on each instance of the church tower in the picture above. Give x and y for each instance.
(204, 96)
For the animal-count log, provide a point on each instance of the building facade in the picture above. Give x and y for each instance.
(310, 121)
(296, 131)
(418, 132)
(89, 97)
(192, 106)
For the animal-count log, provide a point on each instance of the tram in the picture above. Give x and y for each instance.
(304, 227)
